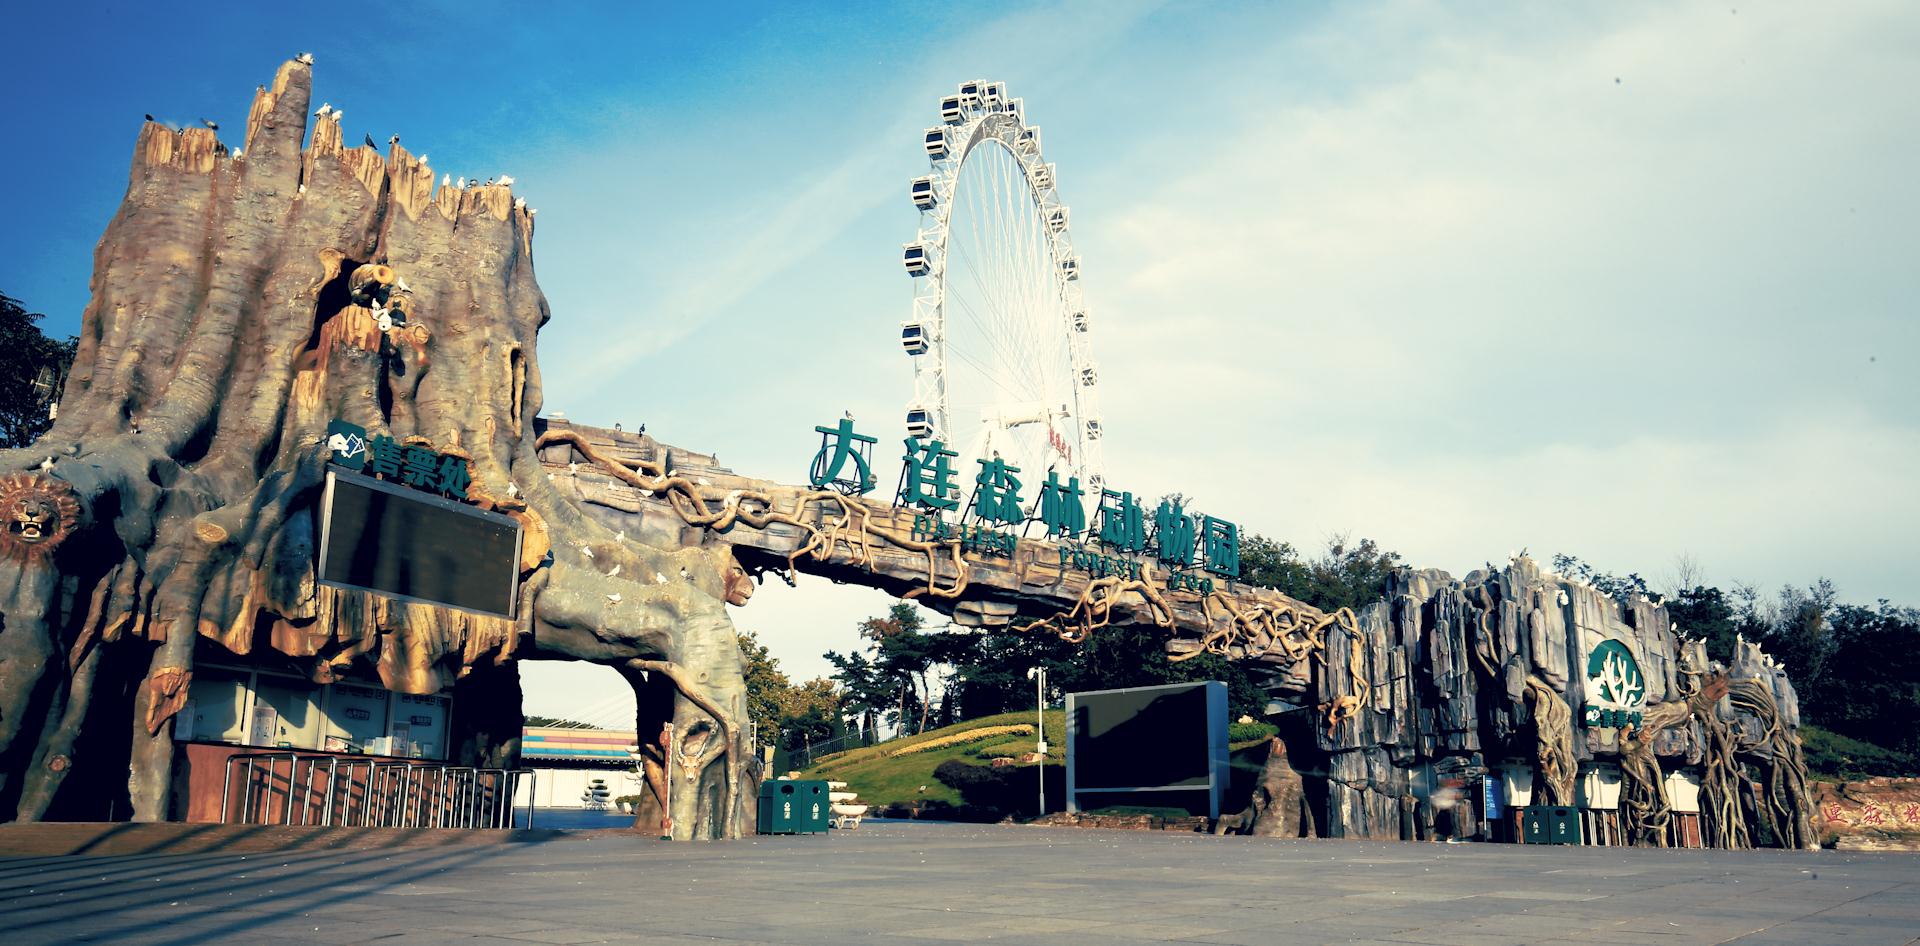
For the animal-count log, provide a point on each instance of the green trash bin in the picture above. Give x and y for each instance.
(819, 806)
(1563, 825)
(1551, 824)
(793, 806)
(1533, 824)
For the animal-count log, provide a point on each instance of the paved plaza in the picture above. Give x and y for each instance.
(932, 883)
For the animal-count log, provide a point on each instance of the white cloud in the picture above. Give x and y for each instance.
(1433, 277)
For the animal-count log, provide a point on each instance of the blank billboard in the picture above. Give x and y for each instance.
(1147, 740)
(407, 544)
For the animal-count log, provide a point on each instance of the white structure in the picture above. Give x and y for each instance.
(1002, 361)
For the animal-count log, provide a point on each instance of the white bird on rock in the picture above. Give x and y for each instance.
(446, 180)
(519, 203)
(615, 572)
(614, 597)
(305, 59)
(423, 160)
(325, 109)
(462, 184)
(531, 212)
(336, 116)
(586, 550)
(401, 284)
(46, 466)
(513, 489)
(505, 180)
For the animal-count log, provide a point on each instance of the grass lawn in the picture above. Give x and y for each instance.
(881, 778)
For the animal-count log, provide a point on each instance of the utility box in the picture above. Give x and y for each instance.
(793, 806)
(1550, 824)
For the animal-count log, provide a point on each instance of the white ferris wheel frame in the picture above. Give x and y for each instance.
(983, 115)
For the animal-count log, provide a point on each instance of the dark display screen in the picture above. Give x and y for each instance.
(1150, 738)
(382, 539)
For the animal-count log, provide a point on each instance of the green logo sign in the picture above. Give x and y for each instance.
(1615, 689)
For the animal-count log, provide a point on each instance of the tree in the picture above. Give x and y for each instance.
(1800, 636)
(1134, 655)
(767, 687)
(32, 367)
(1702, 613)
(1346, 575)
(559, 722)
(1872, 679)
(903, 653)
(1613, 586)
(867, 691)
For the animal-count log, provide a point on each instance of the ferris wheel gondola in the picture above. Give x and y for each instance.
(1000, 335)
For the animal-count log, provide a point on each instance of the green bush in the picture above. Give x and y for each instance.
(1247, 732)
(1835, 757)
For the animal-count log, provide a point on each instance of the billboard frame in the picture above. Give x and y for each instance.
(1217, 772)
(334, 474)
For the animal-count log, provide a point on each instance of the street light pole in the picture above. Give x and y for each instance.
(1040, 728)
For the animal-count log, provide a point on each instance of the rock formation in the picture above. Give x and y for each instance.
(1459, 677)
(240, 304)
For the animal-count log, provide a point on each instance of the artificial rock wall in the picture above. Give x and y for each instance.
(1452, 678)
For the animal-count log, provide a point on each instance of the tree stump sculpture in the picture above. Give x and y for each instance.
(239, 304)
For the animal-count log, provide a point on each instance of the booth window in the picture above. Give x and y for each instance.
(216, 707)
(284, 714)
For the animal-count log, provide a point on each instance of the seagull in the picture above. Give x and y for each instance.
(532, 212)
(393, 140)
(423, 159)
(615, 572)
(586, 550)
(489, 182)
(505, 180)
(643, 428)
(519, 203)
(149, 118)
(620, 536)
(325, 109)
(847, 414)
(463, 184)
(237, 155)
(573, 469)
(211, 125)
(336, 116)
(401, 284)
(614, 597)
(305, 59)
(369, 140)
(46, 466)
(513, 489)
(446, 180)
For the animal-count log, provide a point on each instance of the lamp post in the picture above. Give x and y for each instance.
(1039, 675)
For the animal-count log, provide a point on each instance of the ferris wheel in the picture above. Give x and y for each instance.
(1002, 361)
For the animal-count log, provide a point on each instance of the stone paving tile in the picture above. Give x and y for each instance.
(931, 884)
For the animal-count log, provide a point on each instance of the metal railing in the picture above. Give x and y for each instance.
(368, 793)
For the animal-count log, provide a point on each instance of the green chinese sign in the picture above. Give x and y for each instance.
(1182, 542)
(1616, 690)
(408, 464)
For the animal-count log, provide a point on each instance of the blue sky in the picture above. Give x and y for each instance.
(1625, 280)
